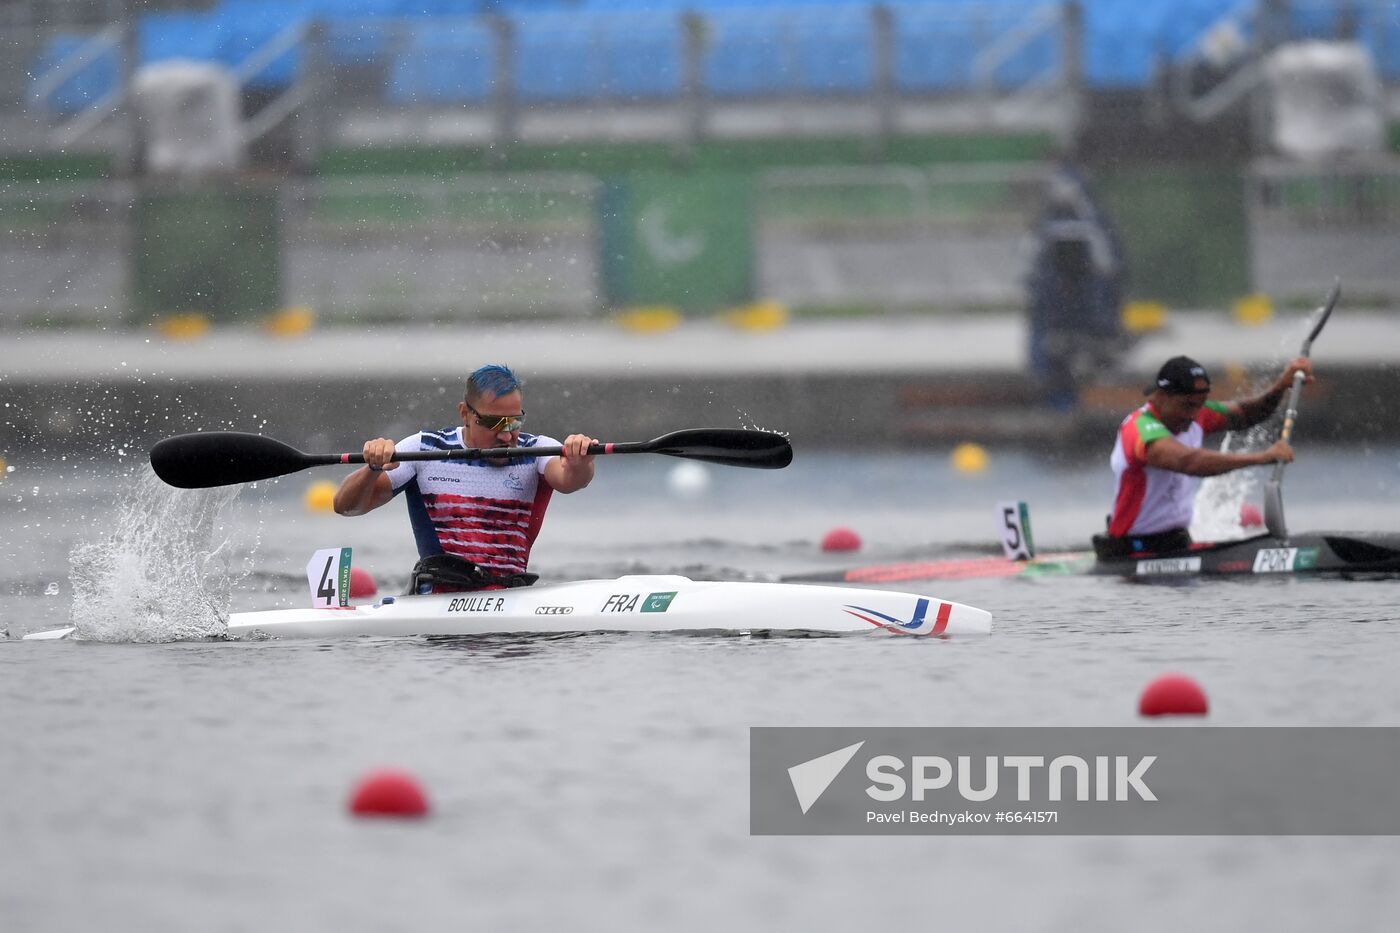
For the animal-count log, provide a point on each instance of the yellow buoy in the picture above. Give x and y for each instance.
(761, 315)
(290, 322)
(1253, 310)
(189, 326)
(652, 319)
(320, 496)
(969, 458)
(1140, 317)
(4, 468)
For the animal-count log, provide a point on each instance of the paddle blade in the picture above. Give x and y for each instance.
(762, 450)
(1327, 306)
(223, 458)
(1273, 509)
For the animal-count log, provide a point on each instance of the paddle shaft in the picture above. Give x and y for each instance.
(485, 453)
(1273, 489)
(1290, 415)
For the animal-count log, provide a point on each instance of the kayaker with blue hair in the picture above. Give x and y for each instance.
(474, 520)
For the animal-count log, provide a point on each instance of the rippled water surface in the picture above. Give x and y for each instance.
(600, 781)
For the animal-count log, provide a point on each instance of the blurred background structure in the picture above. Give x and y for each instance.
(457, 158)
(223, 161)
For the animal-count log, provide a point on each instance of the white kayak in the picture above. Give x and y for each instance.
(644, 603)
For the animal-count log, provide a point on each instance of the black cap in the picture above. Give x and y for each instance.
(1180, 375)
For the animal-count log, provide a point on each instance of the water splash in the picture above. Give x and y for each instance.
(1218, 505)
(163, 575)
(1220, 498)
(748, 423)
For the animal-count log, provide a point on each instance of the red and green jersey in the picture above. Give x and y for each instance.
(1149, 500)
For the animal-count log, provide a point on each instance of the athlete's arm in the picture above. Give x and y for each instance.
(573, 469)
(1167, 453)
(1246, 413)
(367, 489)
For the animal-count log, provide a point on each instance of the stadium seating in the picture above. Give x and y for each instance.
(798, 50)
(434, 66)
(564, 57)
(86, 84)
(444, 51)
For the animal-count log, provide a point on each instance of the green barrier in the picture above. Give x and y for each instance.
(212, 251)
(607, 158)
(53, 167)
(678, 239)
(1185, 231)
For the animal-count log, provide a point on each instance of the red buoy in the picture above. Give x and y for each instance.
(1173, 695)
(841, 539)
(362, 584)
(389, 792)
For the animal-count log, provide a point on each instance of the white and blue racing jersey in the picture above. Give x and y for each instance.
(486, 511)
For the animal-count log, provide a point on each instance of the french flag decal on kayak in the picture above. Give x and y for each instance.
(918, 625)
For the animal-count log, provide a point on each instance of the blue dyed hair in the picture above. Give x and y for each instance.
(494, 380)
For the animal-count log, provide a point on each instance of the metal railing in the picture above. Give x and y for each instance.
(418, 248)
(110, 41)
(1054, 24)
(1313, 223)
(898, 237)
(359, 249)
(668, 76)
(290, 100)
(1254, 28)
(66, 252)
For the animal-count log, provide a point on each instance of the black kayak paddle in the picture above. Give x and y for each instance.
(223, 458)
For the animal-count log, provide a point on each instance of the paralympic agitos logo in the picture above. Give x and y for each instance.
(980, 778)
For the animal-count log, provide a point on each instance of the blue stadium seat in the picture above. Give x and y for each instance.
(1389, 42)
(1121, 41)
(247, 26)
(787, 50)
(87, 85)
(581, 50)
(553, 59)
(353, 42)
(515, 8)
(579, 56)
(641, 57)
(744, 56)
(165, 36)
(441, 7)
(1034, 61)
(834, 52)
(437, 65)
(1312, 21)
(932, 53)
(1379, 31)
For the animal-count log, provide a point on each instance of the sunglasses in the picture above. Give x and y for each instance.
(498, 423)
